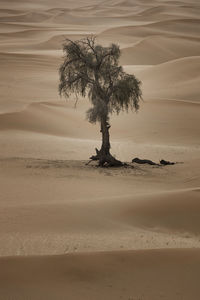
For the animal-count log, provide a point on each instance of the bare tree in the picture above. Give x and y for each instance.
(93, 70)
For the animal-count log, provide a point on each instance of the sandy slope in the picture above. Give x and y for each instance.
(137, 225)
(177, 79)
(110, 210)
(152, 274)
(166, 48)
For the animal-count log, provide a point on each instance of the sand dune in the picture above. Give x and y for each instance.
(30, 60)
(167, 10)
(171, 211)
(28, 17)
(38, 118)
(47, 118)
(55, 43)
(50, 118)
(109, 210)
(114, 275)
(28, 83)
(179, 67)
(29, 34)
(12, 27)
(181, 27)
(65, 16)
(177, 79)
(159, 49)
(10, 12)
(24, 41)
(44, 4)
(158, 220)
(38, 39)
(177, 27)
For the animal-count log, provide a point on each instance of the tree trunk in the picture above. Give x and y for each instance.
(103, 155)
(105, 147)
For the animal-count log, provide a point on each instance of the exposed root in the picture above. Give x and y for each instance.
(106, 160)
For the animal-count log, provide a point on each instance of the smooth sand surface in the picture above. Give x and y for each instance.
(152, 274)
(71, 231)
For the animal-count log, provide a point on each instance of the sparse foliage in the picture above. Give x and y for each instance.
(93, 70)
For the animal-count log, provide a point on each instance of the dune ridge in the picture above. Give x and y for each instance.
(175, 79)
(166, 49)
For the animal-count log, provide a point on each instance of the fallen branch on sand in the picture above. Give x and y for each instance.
(165, 162)
(152, 163)
(144, 161)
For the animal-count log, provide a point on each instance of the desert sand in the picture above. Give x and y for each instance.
(74, 231)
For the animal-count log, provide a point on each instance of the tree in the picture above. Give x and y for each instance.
(93, 70)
